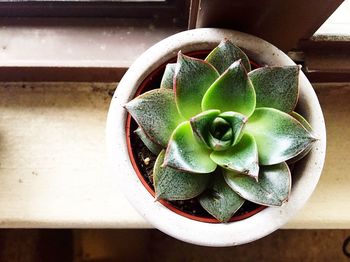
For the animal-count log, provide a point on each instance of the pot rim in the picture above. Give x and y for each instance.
(223, 234)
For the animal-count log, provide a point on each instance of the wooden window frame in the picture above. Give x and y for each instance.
(323, 60)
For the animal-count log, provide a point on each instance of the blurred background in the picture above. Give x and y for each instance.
(151, 245)
(60, 62)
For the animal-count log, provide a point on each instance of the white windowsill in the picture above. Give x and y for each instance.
(54, 171)
(74, 42)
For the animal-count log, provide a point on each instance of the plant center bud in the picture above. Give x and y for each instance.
(221, 134)
(220, 129)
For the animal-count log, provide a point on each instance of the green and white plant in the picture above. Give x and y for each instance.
(222, 132)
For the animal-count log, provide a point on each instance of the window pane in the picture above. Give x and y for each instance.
(338, 23)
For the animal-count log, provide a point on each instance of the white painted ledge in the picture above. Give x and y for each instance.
(82, 43)
(53, 164)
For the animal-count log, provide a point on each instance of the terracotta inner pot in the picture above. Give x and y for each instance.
(152, 82)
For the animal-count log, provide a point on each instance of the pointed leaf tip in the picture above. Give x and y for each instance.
(152, 146)
(192, 79)
(272, 188)
(302, 121)
(157, 198)
(232, 91)
(168, 76)
(220, 200)
(156, 108)
(242, 158)
(278, 135)
(225, 54)
(276, 87)
(308, 127)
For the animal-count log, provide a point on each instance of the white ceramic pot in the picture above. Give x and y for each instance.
(305, 175)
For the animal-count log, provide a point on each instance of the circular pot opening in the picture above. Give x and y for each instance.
(306, 172)
(138, 153)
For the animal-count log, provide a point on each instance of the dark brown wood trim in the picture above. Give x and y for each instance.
(328, 77)
(174, 10)
(326, 59)
(282, 23)
(194, 8)
(322, 62)
(331, 44)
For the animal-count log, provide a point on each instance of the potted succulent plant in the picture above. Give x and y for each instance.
(220, 135)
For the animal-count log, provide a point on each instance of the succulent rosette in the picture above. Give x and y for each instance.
(222, 132)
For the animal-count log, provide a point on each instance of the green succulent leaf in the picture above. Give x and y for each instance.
(237, 122)
(168, 76)
(220, 144)
(201, 124)
(308, 127)
(192, 79)
(242, 158)
(153, 147)
(302, 121)
(276, 87)
(220, 200)
(278, 135)
(218, 131)
(156, 113)
(272, 188)
(232, 91)
(225, 54)
(187, 153)
(300, 156)
(172, 184)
